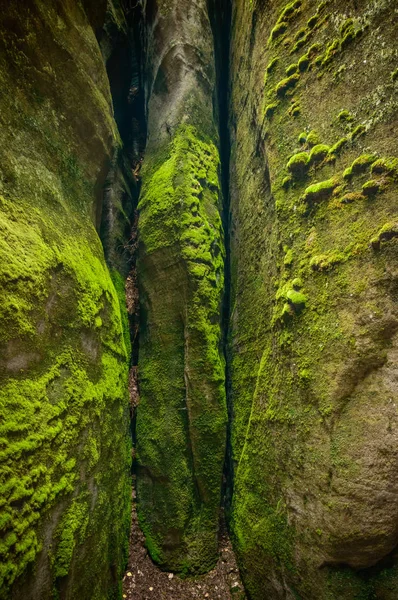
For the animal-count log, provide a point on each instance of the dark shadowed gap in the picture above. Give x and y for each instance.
(220, 13)
(119, 226)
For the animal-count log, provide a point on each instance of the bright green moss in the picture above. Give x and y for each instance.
(313, 138)
(371, 187)
(286, 85)
(360, 165)
(299, 44)
(270, 68)
(358, 131)
(324, 262)
(318, 153)
(288, 259)
(320, 191)
(51, 414)
(297, 299)
(291, 69)
(394, 75)
(297, 283)
(286, 182)
(331, 50)
(294, 109)
(270, 110)
(298, 164)
(302, 138)
(304, 62)
(336, 149)
(387, 166)
(345, 116)
(313, 21)
(279, 29)
(314, 49)
(300, 34)
(290, 10)
(388, 232)
(181, 366)
(272, 65)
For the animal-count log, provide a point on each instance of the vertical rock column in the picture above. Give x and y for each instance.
(181, 419)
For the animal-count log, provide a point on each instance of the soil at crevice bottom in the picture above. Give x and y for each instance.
(143, 580)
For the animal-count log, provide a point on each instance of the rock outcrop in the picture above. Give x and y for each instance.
(65, 443)
(314, 314)
(312, 276)
(181, 418)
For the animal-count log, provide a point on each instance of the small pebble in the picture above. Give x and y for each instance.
(129, 574)
(171, 575)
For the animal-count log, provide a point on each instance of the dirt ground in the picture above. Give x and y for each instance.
(144, 581)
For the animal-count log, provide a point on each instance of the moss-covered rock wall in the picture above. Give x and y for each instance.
(64, 441)
(181, 418)
(314, 185)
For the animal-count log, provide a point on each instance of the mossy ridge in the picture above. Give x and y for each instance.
(50, 405)
(182, 412)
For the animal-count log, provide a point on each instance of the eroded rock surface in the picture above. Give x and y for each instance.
(65, 444)
(314, 312)
(181, 418)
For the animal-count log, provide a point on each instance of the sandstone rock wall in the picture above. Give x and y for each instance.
(314, 288)
(181, 419)
(65, 449)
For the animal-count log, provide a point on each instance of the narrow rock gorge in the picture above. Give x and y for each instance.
(199, 286)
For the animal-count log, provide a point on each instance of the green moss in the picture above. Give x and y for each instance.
(325, 262)
(371, 187)
(288, 260)
(294, 109)
(320, 191)
(394, 76)
(304, 62)
(313, 138)
(300, 34)
(290, 10)
(297, 283)
(358, 131)
(181, 366)
(279, 29)
(297, 299)
(331, 50)
(286, 182)
(360, 165)
(272, 65)
(286, 85)
(388, 232)
(318, 153)
(302, 138)
(352, 197)
(314, 49)
(298, 164)
(313, 21)
(270, 110)
(291, 69)
(299, 44)
(336, 149)
(345, 116)
(347, 32)
(387, 166)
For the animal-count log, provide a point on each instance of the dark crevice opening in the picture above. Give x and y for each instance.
(119, 224)
(220, 13)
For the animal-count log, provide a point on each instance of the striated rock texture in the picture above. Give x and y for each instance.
(313, 340)
(64, 441)
(181, 419)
